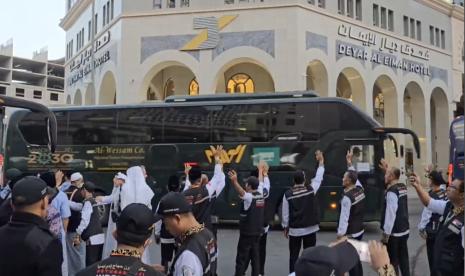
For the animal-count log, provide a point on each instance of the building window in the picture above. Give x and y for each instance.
(104, 15)
(379, 106)
(311, 2)
(108, 12)
(341, 7)
(54, 97)
(391, 20)
(194, 88)
(443, 39)
(169, 88)
(383, 18)
(19, 92)
(240, 83)
(436, 34)
(171, 4)
(405, 25)
(431, 35)
(321, 3)
(37, 94)
(95, 23)
(418, 30)
(375, 15)
(350, 8)
(184, 3)
(112, 5)
(157, 4)
(89, 30)
(2, 90)
(358, 10)
(412, 28)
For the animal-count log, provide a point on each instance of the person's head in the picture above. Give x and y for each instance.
(327, 261)
(30, 195)
(251, 184)
(88, 189)
(173, 184)
(435, 179)
(356, 152)
(349, 179)
(176, 213)
(49, 179)
(77, 179)
(13, 176)
(195, 175)
(68, 174)
(134, 226)
(120, 179)
(455, 191)
(392, 174)
(299, 177)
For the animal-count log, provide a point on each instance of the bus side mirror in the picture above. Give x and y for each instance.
(52, 132)
(402, 151)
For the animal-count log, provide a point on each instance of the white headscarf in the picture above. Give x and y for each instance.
(136, 190)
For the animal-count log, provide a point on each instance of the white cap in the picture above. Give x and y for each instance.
(121, 175)
(76, 176)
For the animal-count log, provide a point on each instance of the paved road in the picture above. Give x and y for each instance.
(278, 253)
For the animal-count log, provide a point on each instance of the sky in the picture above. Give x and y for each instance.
(33, 24)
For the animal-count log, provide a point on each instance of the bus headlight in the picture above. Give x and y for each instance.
(333, 205)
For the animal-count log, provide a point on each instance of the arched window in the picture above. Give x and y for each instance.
(241, 83)
(194, 87)
(379, 105)
(151, 96)
(169, 88)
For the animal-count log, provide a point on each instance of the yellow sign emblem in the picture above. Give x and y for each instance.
(233, 155)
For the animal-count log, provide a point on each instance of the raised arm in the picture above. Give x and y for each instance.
(218, 180)
(187, 183)
(422, 194)
(233, 176)
(316, 181)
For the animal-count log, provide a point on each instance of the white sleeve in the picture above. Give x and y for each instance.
(158, 227)
(437, 206)
(425, 217)
(218, 180)
(247, 198)
(110, 198)
(187, 184)
(75, 206)
(344, 217)
(391, 210)
(188, 264)
(316, 181)
(285, 213)
(266, 187)
(461, 232)
(85, 217)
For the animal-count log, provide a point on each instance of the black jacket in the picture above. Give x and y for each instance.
(29, 248)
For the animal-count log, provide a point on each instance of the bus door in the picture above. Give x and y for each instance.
(367, 153)
(163, 159)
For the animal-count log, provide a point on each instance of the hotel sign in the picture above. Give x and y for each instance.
(385, 53)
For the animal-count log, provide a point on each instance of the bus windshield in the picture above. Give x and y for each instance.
(456, 155)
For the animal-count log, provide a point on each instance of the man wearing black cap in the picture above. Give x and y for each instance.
(250, 224)
(133, 230)
(162, 236)
(300, 213)
(429, 223)
(90, 229)
(28, 246)
(200, 196)
(10, 175)
(197, 254)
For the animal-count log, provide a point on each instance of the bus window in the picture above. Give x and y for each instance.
(240, 123)
(300, 118)
(34, 130)
(140, 126)
(92, 127)
(186, 125)
(363, 158)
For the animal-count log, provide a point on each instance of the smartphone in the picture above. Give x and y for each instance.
(362, 250)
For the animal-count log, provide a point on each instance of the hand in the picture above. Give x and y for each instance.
(286, 233)
(159, 268)
(99, 199)
(59, 177)
(423, 234)
(217, 152)
(232, 175)
(379, 255)
(349, 158)
(266, 168)
(383, 165)
(319, 157)
(338, 241)
(157, 239)
(415, 181)
(76, 240)
(429, 168)
(187, 168)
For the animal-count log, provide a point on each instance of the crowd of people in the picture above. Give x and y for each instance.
(52, 224)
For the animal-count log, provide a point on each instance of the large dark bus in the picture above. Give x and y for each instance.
(284, 129)
(456, 154)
